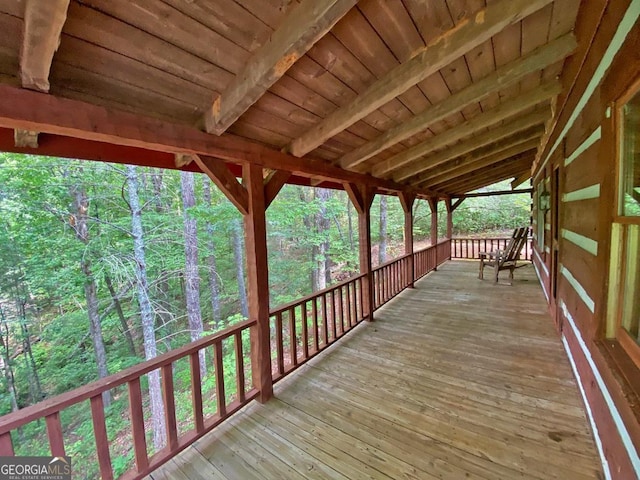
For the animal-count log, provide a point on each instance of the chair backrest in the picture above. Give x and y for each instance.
(517, 241)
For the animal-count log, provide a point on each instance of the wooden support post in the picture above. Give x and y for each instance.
(252, 198)
(449, 207)
(255, 227)
(406, 200)
(433, 205)
(362, 198)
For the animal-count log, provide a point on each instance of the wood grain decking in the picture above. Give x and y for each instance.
(458, 378)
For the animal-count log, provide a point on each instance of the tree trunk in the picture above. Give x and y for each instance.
(238, 250)
(80, 225)
(192, 278)
(158, 186)
(146, 312)
(6, 360)
(350, 220)
(214, 286)
(35, 387)
(322, 262)
(123, 321)
(382, 250)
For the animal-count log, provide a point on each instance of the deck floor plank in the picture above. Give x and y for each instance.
(457, 378)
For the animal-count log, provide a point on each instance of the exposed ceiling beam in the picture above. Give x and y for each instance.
(486, 176)
(443, 50)
(28, 110)
(496, 152)
(501, 78)
(494, 178)
(529, 127)
(478, 123)
(43, 21)
(498, 193)
(304, 26)
(520, 180)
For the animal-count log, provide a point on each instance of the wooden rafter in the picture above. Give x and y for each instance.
(403, 165)
(524, 149)
(451, 45)
(494, 153)
(30, 110)
(303, 27)
(501, 78)
(486, 176)
(520, 180)
(43, 21)
(498, 193)
(529, 125)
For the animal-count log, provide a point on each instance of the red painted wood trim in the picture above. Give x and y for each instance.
(196, 390)
(6, 445)
(239, 367)
(136, 416)
(54, 433)
(219, 372)
(169, 406)
(100, 435)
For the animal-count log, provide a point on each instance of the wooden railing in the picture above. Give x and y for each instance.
(298, 330)
(471, 247)
(390, 279)
(302, 329)
(210, 347)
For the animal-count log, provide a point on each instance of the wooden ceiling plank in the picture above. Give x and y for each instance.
(484, 87)
(302, 28)
(401, 166)
(485, 159)
(29, 110)
(228, 184)
(437, 54)
(43, 23)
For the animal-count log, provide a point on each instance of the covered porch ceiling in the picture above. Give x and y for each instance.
(438, 97)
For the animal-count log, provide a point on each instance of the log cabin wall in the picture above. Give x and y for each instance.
(572, 255)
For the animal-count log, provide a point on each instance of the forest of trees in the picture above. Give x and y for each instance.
(106, 265)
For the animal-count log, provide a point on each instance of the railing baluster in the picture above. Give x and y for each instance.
(100, 435)
(54, 432)
(293, 346)
(341, 310)
(136, 416)
(325, 326)
(219, 371)
(314, 318)
(169, 406)
(334, 326)
(239, 367)
(279, 344)
(6, 445)
(305, 331)
(196, 391)
(347, 287)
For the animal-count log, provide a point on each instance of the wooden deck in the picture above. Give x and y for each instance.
(458, 378)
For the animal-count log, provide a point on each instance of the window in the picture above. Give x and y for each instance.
(624, 300)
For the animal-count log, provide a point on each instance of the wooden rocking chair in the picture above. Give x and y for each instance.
(506, 259)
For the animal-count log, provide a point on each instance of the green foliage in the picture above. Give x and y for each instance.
(41, 257)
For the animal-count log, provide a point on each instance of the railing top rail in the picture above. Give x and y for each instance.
(300, 301)
(59, 402)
